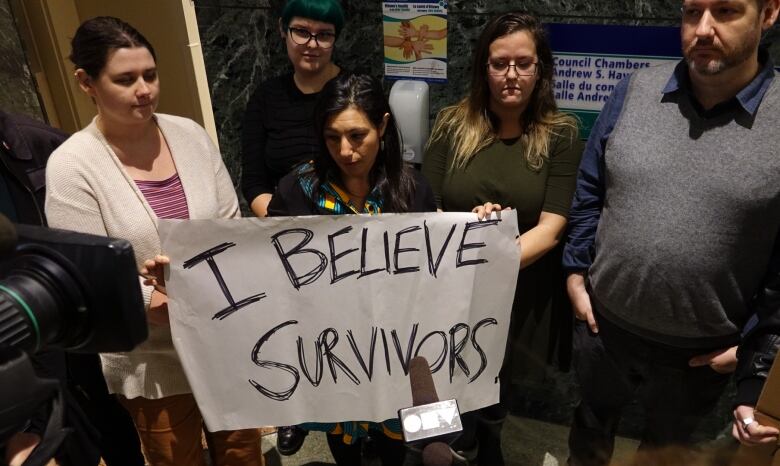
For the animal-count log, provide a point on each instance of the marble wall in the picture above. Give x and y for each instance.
(242, 48)
(17, 89)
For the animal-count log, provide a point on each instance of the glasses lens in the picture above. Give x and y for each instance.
(521, 69)
(326, 39)
(300, 36)
(497, 68)
(525, 69)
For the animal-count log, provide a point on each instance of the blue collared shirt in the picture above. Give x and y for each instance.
(589, 197)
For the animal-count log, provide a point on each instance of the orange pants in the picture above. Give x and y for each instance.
(170, 432)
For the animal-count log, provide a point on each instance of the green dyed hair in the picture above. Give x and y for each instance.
(327, 11)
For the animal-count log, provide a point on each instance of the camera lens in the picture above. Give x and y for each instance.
(40, 303)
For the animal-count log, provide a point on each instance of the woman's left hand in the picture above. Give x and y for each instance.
(154, 272)
(483, 211)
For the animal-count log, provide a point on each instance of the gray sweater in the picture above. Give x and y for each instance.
(690, 217)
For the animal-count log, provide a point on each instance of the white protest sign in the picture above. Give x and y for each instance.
(285, 320)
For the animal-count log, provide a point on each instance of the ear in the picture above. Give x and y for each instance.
(771, 9)
(383, 126)
(85, 82)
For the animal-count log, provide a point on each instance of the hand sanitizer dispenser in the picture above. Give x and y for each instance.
(409, 103)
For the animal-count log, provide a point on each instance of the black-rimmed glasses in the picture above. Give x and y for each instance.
(323, 39)
(501, 68)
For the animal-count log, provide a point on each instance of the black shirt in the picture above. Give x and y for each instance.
(276, 135)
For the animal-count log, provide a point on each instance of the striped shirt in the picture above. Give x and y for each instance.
(166, 197)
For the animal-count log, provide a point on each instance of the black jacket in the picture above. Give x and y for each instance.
(759, 345)
(25, 146)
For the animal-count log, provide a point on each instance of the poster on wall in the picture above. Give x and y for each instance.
(591, 59)
(415, 39)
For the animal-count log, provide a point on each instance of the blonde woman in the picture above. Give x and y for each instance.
(507, 143)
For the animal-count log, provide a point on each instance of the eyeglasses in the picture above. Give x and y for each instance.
(500, 68)
(324, 39)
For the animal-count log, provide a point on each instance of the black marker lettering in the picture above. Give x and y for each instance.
(456, 348)
(387, 353)
(433, 266)
(399, 250)
(328, 338)
(208, 256)
(387, 251)
(334, 275)
(482, 356)
(363, 247)
(299, 280)
(368, 369)
(285, 394)
(464, 246)
(315, 381)
(404, 360)
(442, 355)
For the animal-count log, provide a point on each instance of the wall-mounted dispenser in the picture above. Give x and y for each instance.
(409, 103)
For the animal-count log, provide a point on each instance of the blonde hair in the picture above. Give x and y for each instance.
(470, 132)
(471, 127)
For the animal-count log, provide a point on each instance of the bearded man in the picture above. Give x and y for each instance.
(674, 240)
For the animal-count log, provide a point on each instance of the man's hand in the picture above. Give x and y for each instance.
(748, 431)
(722, 361)
(580, 300)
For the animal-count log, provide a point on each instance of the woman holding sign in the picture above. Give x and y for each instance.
(116, 177)
(506, 142)
(358, 170)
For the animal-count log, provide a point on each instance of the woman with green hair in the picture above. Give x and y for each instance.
(278, 129)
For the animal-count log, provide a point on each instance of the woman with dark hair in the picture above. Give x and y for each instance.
(116, 177)
(357, 170)
(506, 142)
(277, 131)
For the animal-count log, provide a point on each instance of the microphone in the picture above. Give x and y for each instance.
(429, 422)
(421, 381)
(437, 454)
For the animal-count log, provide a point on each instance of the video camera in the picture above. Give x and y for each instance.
(61, 290)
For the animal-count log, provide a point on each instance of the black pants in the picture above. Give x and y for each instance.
(119, 443)
(390, 452)
(612, 367)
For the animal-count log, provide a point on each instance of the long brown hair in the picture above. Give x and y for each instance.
(471, 126)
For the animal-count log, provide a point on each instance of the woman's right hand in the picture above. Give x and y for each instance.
(154, 272)
(158, 309)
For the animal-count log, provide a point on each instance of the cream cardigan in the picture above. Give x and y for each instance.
(88, 190)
